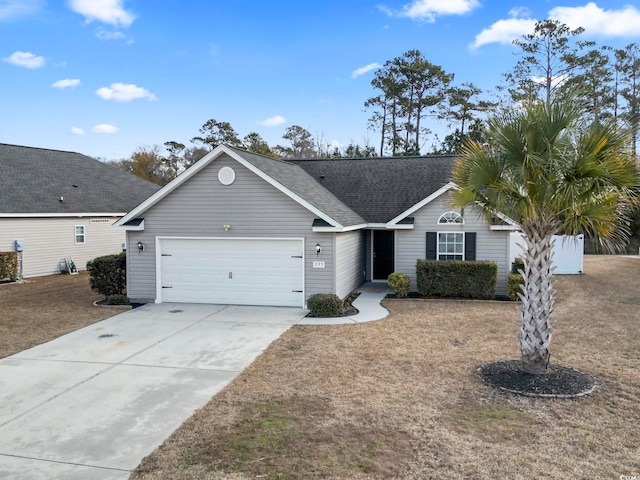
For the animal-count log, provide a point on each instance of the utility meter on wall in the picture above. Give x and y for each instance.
(19, 245)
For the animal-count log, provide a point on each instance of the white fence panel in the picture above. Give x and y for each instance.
(568, 252)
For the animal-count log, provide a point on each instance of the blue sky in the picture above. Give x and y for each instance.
(105, 77)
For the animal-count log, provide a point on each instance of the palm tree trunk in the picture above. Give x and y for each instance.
(538, 297)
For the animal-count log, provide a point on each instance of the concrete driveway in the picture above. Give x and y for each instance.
(93, 403)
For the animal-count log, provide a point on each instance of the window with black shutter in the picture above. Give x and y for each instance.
(451, 246)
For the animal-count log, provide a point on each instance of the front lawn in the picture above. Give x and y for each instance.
(43, 308)
(400, 398)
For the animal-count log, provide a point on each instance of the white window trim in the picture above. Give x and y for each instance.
(451, 223)
(75, 235)
(445, 253)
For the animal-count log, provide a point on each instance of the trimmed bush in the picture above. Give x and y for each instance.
(9, 266)
(325, 305)
(118, 300)
(457, 278)
(400, 283)
(108, 274)
(517, 265)
(514, 281)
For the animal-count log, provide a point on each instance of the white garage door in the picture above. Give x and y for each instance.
(234, 271)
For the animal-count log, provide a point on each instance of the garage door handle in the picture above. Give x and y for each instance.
(166, 255)
(296, 256)
(167, 287)
(296, 291)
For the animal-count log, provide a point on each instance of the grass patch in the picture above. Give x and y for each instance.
(290, 437)
(43, 308)
(494, 423)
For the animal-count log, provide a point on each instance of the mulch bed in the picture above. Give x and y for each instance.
(558, 382)
(416, 295)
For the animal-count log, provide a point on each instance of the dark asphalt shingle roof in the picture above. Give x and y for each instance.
(380, 189)
(32, 180)
(302, 184)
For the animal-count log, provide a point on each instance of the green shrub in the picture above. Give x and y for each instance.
(517, 265)
(108, 274)
(325, 305)
(400, 283)
(118, 300)
(514, 281)
(457, 278)
(9, 266)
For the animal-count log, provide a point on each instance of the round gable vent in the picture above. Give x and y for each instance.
(226, 175)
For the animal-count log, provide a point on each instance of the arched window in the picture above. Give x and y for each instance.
(450, 217)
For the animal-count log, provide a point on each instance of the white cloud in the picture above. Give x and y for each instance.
(106, 35)
(104, 128)
(66, 83)
(598, 21)
(335, 144)
(555, 81)
(504, 31)
(78, 130)
(122, 92)
(273, 121)
(595, 20)
(430, 9)
(25, 59)
(362, 70)
(516, 12)
(10, 9)
(111, 12)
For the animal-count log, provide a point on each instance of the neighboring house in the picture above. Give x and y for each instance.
(241, 228)
(61, 205)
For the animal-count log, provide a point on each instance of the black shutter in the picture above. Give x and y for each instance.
(470, 245)
(432, 245)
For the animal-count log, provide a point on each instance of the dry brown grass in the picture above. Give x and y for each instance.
(43, 308)
(399, 398)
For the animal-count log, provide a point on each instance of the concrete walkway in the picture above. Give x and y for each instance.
(93, 403)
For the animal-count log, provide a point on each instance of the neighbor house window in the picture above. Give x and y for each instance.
(450, 246)
(79, 234)
(450, 217)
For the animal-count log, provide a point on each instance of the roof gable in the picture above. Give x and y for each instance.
(37, 181)
(284, 176)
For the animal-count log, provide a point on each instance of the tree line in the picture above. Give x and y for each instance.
(162, 164)
(553, 63)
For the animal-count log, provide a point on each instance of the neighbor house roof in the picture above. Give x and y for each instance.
(54, 182)
(380, 189)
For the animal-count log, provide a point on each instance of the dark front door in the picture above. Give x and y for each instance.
(383, 264)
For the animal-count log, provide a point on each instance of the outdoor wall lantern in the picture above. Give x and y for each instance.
(140, 246)
(318, 249)
(227, 227)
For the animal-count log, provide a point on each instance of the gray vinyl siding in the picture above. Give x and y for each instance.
(349, 262)
(490, 245)
(48, 241)
(201, 207)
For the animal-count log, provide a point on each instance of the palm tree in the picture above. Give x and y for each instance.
(551, 174)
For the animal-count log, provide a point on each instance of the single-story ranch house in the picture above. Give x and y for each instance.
(57, 205)
(242, 228)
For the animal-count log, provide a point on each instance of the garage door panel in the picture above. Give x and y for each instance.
(238, 271)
